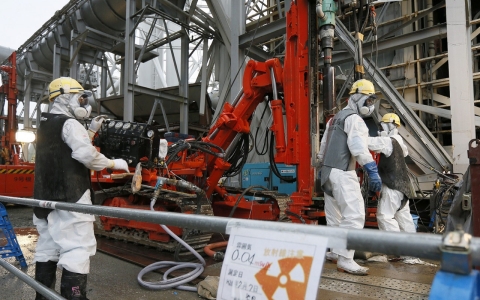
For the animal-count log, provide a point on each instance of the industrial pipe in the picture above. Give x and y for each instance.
(325, 10)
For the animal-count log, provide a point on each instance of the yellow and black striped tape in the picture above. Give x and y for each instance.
(17, 171)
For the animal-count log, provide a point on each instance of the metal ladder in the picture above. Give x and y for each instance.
(12, 248)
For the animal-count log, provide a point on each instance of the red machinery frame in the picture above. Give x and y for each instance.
(16, 176)
(293, 145)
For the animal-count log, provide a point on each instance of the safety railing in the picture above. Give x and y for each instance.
(395, 243)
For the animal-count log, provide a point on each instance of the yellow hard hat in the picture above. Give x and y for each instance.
(63, 85)
(363, 86)
(391, 118)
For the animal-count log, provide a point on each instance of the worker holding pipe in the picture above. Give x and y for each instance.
(64, 156)
(344, 143)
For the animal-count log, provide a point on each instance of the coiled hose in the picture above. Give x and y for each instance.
(176, 282)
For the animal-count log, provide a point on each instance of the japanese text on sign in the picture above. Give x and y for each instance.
(277, 267)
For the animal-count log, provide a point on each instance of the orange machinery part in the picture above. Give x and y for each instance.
(208, 249)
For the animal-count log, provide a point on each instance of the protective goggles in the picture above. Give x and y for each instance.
(83, 100)
(370, 100)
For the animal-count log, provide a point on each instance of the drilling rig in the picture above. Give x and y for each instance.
(185, 178)
(16, 174)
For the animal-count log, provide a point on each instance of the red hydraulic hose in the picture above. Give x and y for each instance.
(208, 248)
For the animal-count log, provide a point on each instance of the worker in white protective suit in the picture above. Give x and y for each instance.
(344, 143)
(63, 159)
(393, 211)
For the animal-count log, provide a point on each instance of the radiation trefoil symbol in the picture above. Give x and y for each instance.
(286, 278)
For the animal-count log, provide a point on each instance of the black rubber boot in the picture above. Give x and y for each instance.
(73, 285)
(45, 273)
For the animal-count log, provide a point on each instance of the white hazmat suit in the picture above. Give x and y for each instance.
(389, 217)
(346, 208)
(68, 237)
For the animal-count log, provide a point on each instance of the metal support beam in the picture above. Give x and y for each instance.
(262, 34)
(128, 74)
(171, 50)
(211, 61)
(441, 112)
(167, 40)
(183, 92)
(56, 61)
(203, 89)
(237, 55)
(183, 17)
(400, 42)
(154, 93)
(74, 48)
(104, 79)
(223, 22)
(154, 109)
(26, 113)
(461, 85)
(413, 20)
(147, 39)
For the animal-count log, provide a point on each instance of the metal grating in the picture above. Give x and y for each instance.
(366, 291)
(378, 282)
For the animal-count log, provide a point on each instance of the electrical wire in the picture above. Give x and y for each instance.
(442, 200)
(418, 213)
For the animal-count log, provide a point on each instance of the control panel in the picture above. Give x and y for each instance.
(130, 141)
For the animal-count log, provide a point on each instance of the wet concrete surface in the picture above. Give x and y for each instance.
(109, 278)
(114, 278)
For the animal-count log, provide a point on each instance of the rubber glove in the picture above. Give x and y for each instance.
(118, 164)
(374, 181)
(95, 125)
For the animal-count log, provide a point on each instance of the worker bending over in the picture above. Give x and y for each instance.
(344, 143)
(64, 156)
(393, 211)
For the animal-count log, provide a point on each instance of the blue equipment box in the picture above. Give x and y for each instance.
(261, 174)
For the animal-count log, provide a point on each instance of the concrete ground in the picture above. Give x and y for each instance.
(112, 278)
(109, 278)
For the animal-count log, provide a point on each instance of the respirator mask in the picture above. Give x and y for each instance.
(366, 108)
(83, 109)
(387, 129)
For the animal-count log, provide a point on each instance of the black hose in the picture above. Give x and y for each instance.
(289, 213)
(174, 149)
(243, 194)
(220, 150)
(206, 150)
(239, 157)
(265, 144)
